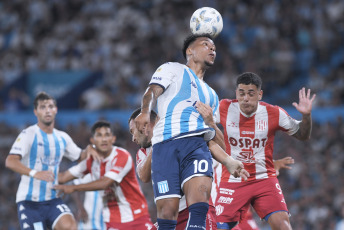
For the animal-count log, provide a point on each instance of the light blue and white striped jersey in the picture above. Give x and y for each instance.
(176, 106)
(93, 204)
(42, 151)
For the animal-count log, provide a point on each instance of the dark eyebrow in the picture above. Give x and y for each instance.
(250, 90)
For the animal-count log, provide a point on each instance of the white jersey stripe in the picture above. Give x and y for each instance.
(125, 209)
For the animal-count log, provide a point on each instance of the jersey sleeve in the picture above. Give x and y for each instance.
(80, 169)
(287, 123)
(72, 150)
(163, 76)
(120, 166)
(22, 144)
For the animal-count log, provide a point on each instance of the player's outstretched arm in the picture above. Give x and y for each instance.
(101, 184)
(144, 168)
(283, 164)
(149, 100)
(207, 114)
(65, 176)
(305, 108)
(234, 167)
(13, 162)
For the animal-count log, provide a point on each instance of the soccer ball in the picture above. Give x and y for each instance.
(206, 20)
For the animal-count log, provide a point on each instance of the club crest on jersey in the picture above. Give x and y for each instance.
(261, 125)
(163, 186)
(219, 209)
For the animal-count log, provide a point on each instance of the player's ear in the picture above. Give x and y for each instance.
(114, 139)
(92, 140)
(260, 95)
(188, 52)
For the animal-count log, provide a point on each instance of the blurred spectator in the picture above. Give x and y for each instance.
(17, 100)
(289, 43)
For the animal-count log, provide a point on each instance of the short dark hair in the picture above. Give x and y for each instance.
(249, 78)
(100, 124)
(137, 111)
(42, 96)
(190, 39)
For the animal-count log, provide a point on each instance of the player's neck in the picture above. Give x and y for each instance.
(106, 154)
(198, 69)
(46, 128)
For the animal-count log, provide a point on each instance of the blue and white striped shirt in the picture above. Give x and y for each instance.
(93, 204)
(176, 106)
(42, 151)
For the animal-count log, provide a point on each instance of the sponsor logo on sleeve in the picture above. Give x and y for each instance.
(157, 78)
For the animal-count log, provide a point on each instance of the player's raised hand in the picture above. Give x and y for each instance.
(92, 152)
(283, 164)
(305, 102)
(45, 175)
(205, 111)
(142, 121)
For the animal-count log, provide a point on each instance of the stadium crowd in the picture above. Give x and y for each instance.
(289, 43)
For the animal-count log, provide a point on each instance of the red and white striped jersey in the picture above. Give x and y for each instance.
(123, 201)
(251, 139)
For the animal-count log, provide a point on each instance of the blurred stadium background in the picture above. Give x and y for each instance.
(96, 58)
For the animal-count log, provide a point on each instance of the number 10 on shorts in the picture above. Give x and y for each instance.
(200, 166)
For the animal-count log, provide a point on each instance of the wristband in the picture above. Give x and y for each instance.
(32, 173)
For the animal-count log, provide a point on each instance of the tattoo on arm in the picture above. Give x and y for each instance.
(150, 97)
(304, 132)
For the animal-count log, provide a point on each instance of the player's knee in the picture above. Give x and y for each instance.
(67, 223)
(168, 213)
(168, 208)
(280, 220)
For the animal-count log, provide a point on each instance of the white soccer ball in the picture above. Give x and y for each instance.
(206, 20)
